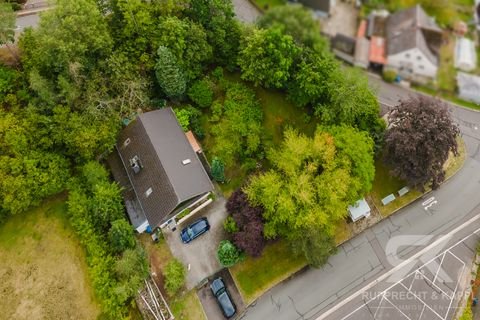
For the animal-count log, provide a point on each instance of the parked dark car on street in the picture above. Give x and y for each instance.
(195, 230)
(223, 298)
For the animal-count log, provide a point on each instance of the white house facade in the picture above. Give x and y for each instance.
(413, 64)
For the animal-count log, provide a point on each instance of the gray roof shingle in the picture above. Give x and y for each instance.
(159, 142)
(407, 29)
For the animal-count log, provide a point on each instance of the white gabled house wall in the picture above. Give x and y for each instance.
(413, 65)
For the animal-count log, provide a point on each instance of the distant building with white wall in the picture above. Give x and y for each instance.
(465, 54)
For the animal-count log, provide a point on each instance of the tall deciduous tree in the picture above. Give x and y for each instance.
(298, 22)
(187, 41)
(66, 48)
(312, 182)
(223, 30)
(266, 57)
(169, 75)
(420, 136)
(7, 25)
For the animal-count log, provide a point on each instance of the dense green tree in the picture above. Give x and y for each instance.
(316, 245)
(187, 41)
(297, 21)
(267, 56)
(201, 93)
(218, 170)
(131, 270)
(312, 182)
(241, 117)
(65, 49)
(169, 74)
(420, 136)
(121, 236)
(223, 30)
(309, 83)
(174, 274)
(228, 254)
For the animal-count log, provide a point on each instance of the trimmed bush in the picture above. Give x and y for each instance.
(218, 170)
(201, 93)
(228, 254)
(229, 225)
(389, 76)
(121, 236)
(174, 274)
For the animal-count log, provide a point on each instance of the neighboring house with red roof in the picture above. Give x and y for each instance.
(413, 42)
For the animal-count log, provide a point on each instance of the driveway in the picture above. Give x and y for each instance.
(200, 255)
(209, 303)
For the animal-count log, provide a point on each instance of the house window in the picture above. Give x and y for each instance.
(407, 55)
(148, 192)
(126, 142)
(419, 58)
(421, 67)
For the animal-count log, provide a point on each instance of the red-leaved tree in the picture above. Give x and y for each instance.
(420, 136)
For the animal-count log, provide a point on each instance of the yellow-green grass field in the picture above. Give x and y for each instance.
(43, 273)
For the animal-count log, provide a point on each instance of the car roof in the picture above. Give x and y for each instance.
(217, 285)
(227, 304)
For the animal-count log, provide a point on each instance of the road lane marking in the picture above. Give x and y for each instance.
(401, 265)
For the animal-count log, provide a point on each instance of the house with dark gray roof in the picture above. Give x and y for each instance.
(413, 42)
(159, 170)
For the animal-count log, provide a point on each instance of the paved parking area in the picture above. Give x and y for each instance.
(200, 255)
(209, 303)
(431, 291)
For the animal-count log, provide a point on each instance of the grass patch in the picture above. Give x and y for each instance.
(255, 276)
(42, 267)
(385, 184)
(185, 305)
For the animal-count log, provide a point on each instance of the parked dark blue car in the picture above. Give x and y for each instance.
(223, 298)
(195, 230)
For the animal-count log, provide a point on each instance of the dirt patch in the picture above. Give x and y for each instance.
(42, 268)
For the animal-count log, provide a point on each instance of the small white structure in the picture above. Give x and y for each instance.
(359, 210)
(468, 87)
(465, 55)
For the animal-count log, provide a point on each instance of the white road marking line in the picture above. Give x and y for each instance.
(439, 266)
(379, 305)
(424, 303)
(401, 265)
(421, 313)
(398, 309)
(424, 203)
(437, 287)
(454, 292)
(431, 204)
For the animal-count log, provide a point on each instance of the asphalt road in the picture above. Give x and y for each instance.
(363, 259)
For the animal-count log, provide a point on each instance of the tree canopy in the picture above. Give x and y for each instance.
(421, 134)
(312, 182)
(266, 57)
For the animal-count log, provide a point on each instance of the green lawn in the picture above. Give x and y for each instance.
(255, 276)
(43, 273)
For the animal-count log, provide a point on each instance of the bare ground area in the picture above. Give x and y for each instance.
(42, 268)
